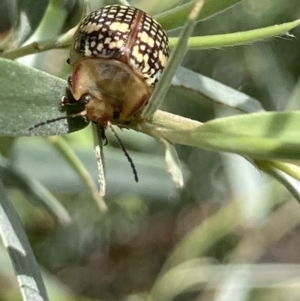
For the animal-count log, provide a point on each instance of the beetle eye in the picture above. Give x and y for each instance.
(85, 98)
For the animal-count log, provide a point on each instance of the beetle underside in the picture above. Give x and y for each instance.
(112, 90)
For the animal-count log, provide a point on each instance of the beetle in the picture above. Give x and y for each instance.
(118, 54)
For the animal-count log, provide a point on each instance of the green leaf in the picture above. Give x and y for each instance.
(62, 147)
(55, 174)
(172, 162)
(176, 17)
(204, 236)
(52, 22)
(272, 135)
(176, 57)
(231, 279)
(284, 173)
(214, 91)
(236, 38)
(196, 273)
(29, 17)
(6, 145)
(29, 96)
(156, 6)
(17, 245)
(13, 176)
(8, 18)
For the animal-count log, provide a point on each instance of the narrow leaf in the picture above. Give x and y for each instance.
(214, 91)
(236, 38)
(29, 96)
(172, 162)
(174, 62)
(272, 135)
(76, 164)
(290, 183)
(17, 245)
(13, 176)
(30, 15)
(176, 17)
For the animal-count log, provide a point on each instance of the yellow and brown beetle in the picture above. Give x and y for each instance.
(118, 54)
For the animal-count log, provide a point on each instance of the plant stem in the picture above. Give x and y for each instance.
(63, 41)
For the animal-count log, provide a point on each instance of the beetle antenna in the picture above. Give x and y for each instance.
(82, 114)
(125, 152)
(47, 122)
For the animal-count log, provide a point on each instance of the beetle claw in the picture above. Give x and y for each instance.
(103, 136)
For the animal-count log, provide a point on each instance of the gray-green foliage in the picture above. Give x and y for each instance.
(29, 96)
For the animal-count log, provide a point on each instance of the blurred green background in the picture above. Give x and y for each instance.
(117, 255)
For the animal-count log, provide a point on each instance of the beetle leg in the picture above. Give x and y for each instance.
(103, 136)
(65, 101)
(81, 114)
(70, 82)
